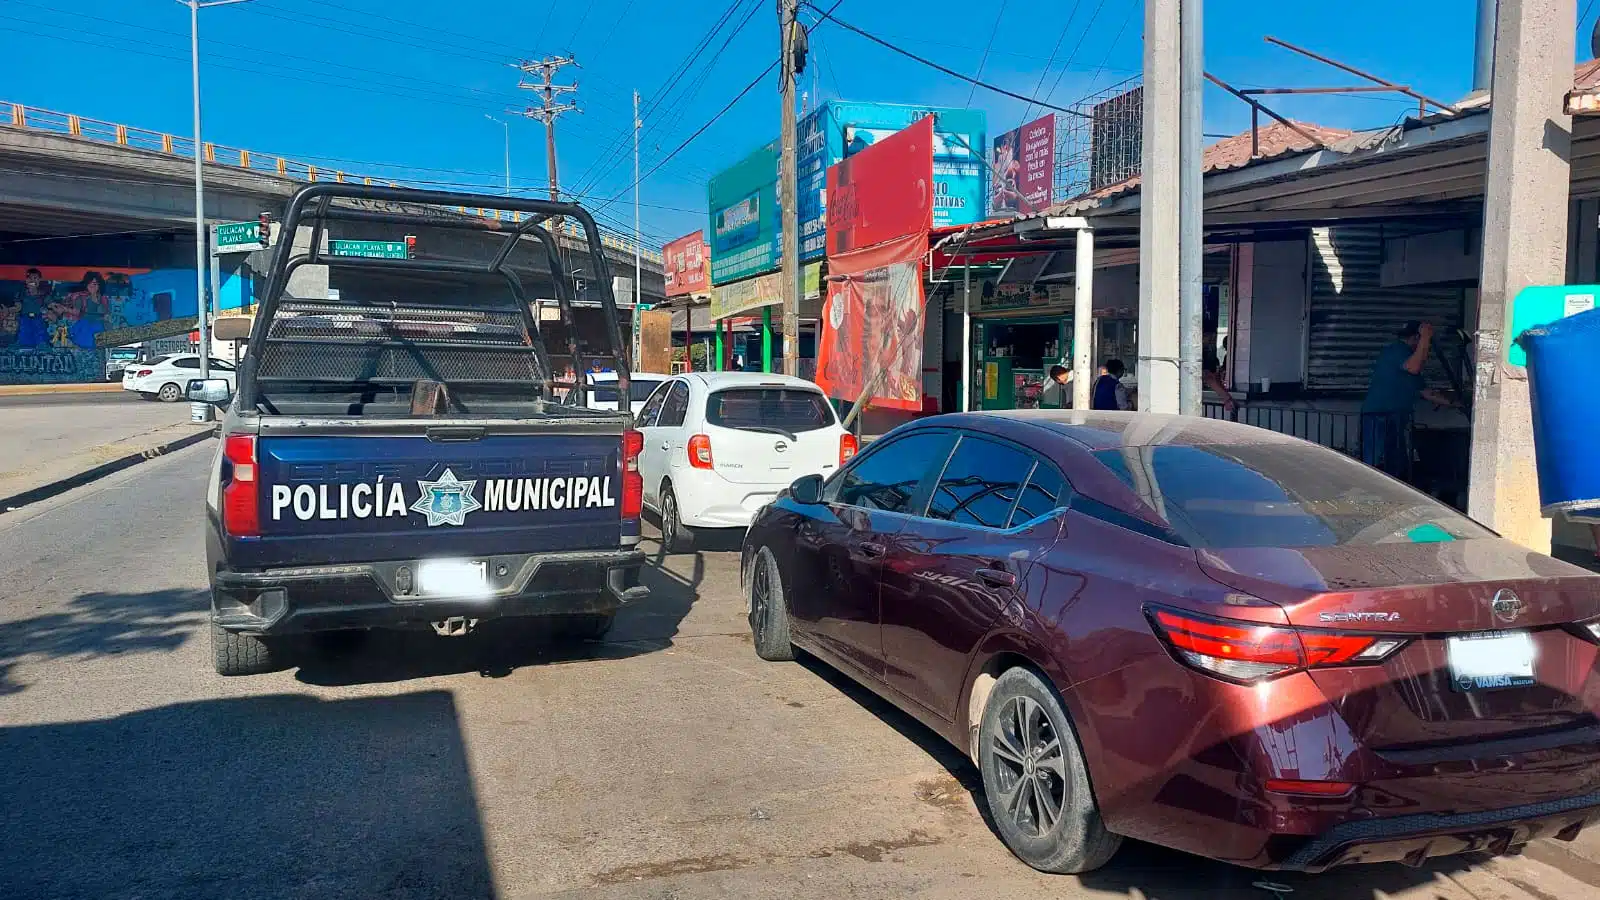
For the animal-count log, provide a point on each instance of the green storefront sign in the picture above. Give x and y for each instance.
(744, 222)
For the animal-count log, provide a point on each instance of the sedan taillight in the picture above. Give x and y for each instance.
(143, 372)
(241, 494)
(1247, 652)
(700, 451)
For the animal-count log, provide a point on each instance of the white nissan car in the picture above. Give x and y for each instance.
(718, 446)
(165, 378)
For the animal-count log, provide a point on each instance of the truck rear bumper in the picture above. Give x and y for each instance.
(387, 594)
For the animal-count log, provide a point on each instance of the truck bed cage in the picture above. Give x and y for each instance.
(315, 205)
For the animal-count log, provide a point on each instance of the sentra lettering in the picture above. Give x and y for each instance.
(384, 499)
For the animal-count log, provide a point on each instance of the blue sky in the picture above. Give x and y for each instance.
(400, 88)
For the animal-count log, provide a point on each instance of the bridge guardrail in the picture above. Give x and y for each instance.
(33, 118)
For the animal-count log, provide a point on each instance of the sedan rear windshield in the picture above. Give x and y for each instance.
(639, 390)
(790, 410)
(1280, 495)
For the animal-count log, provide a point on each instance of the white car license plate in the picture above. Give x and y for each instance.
(453, 577)
(1483, 662)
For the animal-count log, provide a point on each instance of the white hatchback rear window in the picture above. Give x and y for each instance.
(763, 408)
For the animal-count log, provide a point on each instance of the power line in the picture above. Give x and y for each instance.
(984, 60)
(1079, 46)
(319, 79)
(253, 49)
(608, 160)
(945, 69)
(1045, 71)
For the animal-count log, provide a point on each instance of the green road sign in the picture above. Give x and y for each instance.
(238, 237)
(368, 249)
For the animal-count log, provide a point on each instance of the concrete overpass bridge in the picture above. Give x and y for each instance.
(80, 196)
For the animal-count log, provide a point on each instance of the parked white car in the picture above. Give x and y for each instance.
(718, 446)
(603, 390)
(166, 378)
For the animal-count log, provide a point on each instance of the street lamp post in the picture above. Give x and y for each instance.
(201, 271)
(507, 127)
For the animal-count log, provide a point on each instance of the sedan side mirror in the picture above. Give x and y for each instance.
(215, 391)
(807, 490)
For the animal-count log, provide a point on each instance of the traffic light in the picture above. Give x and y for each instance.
(411, 246)
(264, 228)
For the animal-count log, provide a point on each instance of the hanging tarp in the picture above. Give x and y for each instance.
(872, 323)
(881, 210)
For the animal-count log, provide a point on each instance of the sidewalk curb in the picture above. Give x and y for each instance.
(36, 390)
(61, 486)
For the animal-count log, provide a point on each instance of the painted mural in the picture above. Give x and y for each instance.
(56, 321)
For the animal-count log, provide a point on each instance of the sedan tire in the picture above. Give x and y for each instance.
(170, 392)
(1035, 781)
(768, 609)
(676, 537)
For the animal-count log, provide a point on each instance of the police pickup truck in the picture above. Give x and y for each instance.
(395, 455)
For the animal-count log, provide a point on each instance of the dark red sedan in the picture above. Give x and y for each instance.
(1197, 634)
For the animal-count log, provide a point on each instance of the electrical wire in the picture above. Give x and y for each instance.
(1093, 17)
(608, 160)
(984, 60)
(945, 69)
(1054, 51)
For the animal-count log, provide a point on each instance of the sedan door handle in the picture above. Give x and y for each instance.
(997, 578)
(872, 550)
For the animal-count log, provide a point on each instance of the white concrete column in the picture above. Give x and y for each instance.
(1083, 322)
(1524, 243)
(1158, 212)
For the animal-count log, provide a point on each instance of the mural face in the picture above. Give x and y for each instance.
(55, 321)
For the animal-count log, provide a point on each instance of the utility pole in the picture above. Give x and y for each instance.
(1159, 211)
(202, 309)
(1524, 243)
(1191, 207)
(789, 269)
(537, 76)
(638, 265)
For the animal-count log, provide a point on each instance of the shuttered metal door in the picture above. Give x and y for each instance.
(1352, 317)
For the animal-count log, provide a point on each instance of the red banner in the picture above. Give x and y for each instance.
(1024, 166)
(872, 324)
(686, 262)
(882, 193)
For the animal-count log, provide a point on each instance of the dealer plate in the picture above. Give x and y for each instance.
(1491, 661)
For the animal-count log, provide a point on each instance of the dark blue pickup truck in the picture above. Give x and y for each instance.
(395, 455)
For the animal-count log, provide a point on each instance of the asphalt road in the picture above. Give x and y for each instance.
(38, 427)
(667, 762)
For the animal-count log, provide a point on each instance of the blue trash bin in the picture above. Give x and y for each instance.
(1564, 380)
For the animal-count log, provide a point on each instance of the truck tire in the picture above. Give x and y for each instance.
(676, 537)
(768, 608)
(241, 654)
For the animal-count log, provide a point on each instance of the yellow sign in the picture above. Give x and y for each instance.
(811, 281)
(743, 296)
(991, 381)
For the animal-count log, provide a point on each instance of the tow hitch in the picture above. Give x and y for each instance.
(455, 626)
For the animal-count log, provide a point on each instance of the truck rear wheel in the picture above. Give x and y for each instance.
(242, 654)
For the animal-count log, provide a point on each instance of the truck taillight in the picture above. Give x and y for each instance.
(632, 481)
(847, 448)
(241, 493)
(700, 451)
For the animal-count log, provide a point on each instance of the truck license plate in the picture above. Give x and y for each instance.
(1484, 662)
(453, 577)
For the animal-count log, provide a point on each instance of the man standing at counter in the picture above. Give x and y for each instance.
(1392, 392)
